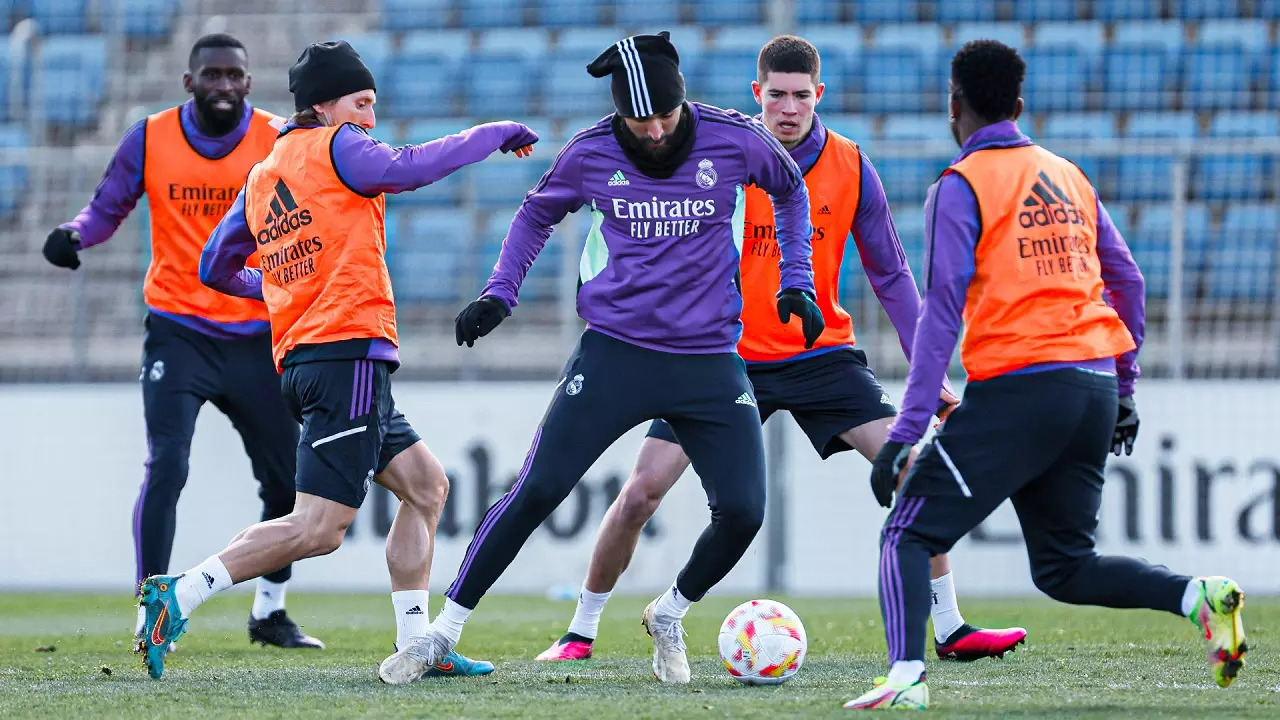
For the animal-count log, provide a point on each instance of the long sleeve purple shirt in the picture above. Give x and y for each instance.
(952, 225)
(367, 166)
(661, 255)
(122, 186)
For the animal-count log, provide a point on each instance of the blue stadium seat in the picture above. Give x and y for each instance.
(493, 13)
(428, 258)
(55, 17)
(1011, 34)
(502, 184)
(525, 42)
(742, 39)
(4, 83)
(893, 80)
(1217, 77)
(423, 131)
(72, 71)
(818, 11)
(907, 179)
(1126, 9)
(1168, 35)
(930, 127)
(1267, 9)
(1236, 176)
(690, 42)
(1044, 10)
(858, 128)
(422, 86)
(1148, 177)
(726, 80)
(1058, 78)
(886, 11)
(540, 283)
(415, 14)
(136, 18)
(568, 13)
(452, 44)
(500, 85)
(647, 14)
(1082, 126)
(1086, 37)
(910, 225)
(1200, 9)
(375, 51)
(954, 11)
(1242, 262)
(575, 92)
(839, 47)
(585, 43)
(728, 12)
(1248, 34)
(1273, 86)
(1138, 78)
(13, 172)
(1150, 244)
(6, 15)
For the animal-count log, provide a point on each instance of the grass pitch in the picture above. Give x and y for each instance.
(1079, 662)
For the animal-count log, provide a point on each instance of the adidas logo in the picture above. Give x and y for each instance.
(618, 179)
(208, 578)
(1052, 206)
(283, 216)
(825, 210)
(415, 610)
(745, 399)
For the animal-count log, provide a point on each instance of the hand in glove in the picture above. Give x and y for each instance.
(479, 319)
(794, 300)
(1126, 427)
(886, 468)
(62, 248)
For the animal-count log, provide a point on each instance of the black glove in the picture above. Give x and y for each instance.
(793, 300)
(886, 468)
(479, 319)
(1126, 426)
(61, 246)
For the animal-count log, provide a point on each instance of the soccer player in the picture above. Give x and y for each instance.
(200, 346)
(828, 389)
(1021, 253)
(313, 212)
(661, 179)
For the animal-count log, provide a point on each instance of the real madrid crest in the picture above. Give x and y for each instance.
(706, 176)
(575, 385)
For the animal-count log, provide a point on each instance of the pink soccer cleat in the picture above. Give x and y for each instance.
(973, 643)
(569, 647)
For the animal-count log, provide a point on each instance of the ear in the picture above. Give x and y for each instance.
(817, 94)
(955, 106)
(248, 83)
(186, 81)
(755, 92)
(1017, 109)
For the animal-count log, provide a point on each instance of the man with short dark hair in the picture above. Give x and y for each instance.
(200, 345)
(1021, 252)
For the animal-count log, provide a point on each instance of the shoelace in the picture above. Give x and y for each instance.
(673, 636)
(421, 647)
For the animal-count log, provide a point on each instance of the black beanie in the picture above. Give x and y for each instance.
(646, 75)
(327, 71)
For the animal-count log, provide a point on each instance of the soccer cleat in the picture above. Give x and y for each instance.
(277, 629)
(414, 662)
(142, 620)
(969, 643)
(884, 696)
(670, 665)
(566, 648)
(164, 623)
(456, 665)
(1217, 615)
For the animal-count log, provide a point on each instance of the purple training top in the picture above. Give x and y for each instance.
(952, 227)
(661, 256)
(122, 185)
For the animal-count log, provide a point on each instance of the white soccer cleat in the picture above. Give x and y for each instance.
(412, 663)
(670, 664)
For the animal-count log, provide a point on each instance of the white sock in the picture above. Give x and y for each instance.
(412, 619)
(201, 583)
(906, 672)
(586, 619)
(1189, 597)
(268, 598)
(672, 606)
(450, 620)
(944, 611)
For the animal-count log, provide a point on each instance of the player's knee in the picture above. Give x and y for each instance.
(742, 517)
(1057, 580)
(167, 467)
(428, 494)
(640, 499)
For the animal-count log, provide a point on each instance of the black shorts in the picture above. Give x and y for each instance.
(826, 394)
(350, 426)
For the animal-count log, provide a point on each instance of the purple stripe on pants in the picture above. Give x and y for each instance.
(355, 390)
(137, 513)
(492, 517)
(368, 387)
(897, 646)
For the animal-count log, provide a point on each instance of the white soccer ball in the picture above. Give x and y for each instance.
(762, 642)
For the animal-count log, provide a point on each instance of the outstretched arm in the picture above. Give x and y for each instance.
(117, 193)
(371, 168)
(222, 262)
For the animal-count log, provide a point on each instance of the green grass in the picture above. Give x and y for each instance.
(1080, 662)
